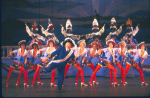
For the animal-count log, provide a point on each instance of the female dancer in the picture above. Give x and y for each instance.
(47, 51)
(92, 61)
(33, 58)
(35, 37)
(48, 32)
(80, 53)
(138, 59)
(21, 61)
(120, 54)
(110, 60)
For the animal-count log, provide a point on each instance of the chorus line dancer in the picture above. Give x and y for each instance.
(33, 59)
(120, 56)
(47, 51)
(110, 60)
(92, 61)
(80, 53)
(138, 59)
(19, 63)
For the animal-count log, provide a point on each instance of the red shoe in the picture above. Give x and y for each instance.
(40, 83)
(17, 83)
(6, 84)
(76, 83)
(53, 84)
(90, 83)
(95, 82)
(116, 83)
(82, 83)
(144, 83)
(25, 84)
(112, 83)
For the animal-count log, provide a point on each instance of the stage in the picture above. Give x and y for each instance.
(103, 89)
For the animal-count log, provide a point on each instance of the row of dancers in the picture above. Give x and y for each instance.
(95, 35)
(63, 55)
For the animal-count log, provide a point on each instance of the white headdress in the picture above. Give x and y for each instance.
(95, 24)
(68, 24)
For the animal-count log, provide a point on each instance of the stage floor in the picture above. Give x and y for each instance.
(103, 89)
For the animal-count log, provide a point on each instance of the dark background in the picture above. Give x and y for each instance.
(15, 13)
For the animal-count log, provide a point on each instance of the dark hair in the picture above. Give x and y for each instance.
(68, 40)
(23, 43)
(112, 43)
(34, 44)
(51, 41)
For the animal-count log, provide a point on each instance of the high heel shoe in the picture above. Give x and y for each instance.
(53, 84)
(40, 83)
(144, 83)
(112, 83)
(17, 83)
(6, 84)
(83, 84)
(25, 84)
(95, 82)
(90, 83)
(116, 83)
(76, 83)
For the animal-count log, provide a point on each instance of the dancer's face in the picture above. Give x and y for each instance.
(82, 44)
(34, 47)
(110, 45)
(143, 47)
(23, 46)
(69, 30)
(51, 44)
(68, 45)
(123, 45)
(94, 46)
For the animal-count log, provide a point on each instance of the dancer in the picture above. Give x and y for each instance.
(110, 60)
(35, 37)
(96, 34)
(92, 61)
(19, 63)
(120, 54)
(112, 35)
(128, 38)
(33, 59)
(67, 32)
(80, 53)
(48, 32)
(64, 53)
(138, 59)
(47, 51)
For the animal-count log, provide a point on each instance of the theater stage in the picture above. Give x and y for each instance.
(103, 89)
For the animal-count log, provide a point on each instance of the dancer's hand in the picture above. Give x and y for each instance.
(122, 24)
(45, 60)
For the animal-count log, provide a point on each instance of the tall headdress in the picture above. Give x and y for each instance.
(113, 23)
(34, 26)
(50, 25)
(68, 25)
(129, 24)
(95, 24)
